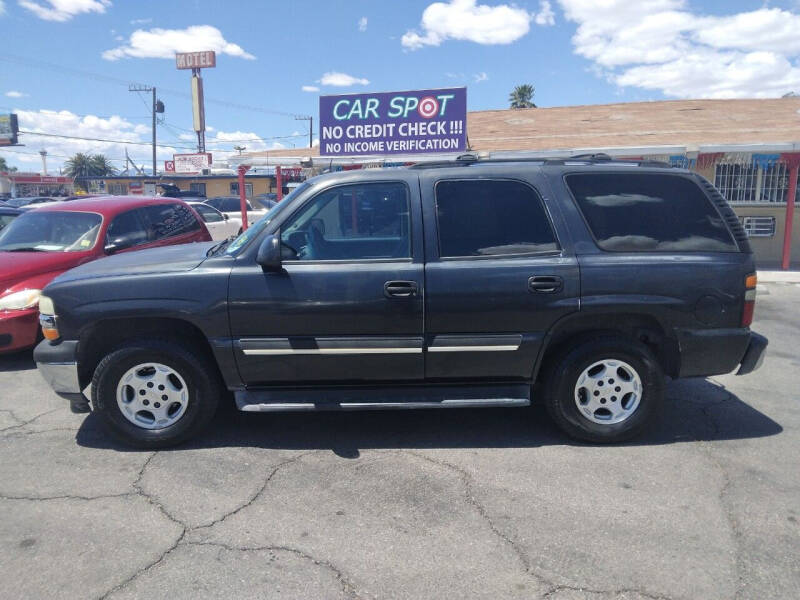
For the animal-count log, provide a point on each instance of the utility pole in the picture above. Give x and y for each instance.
(310, 120)
(157, 107)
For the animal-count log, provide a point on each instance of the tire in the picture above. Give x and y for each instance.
(192, 395)
(582, 376)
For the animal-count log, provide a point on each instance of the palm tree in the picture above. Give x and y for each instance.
(82, 166)
(522, 96)
(101, 166)
(5, 167)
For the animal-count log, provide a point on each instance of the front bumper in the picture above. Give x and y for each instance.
(18, 329)
(754, 355)
(58, 365)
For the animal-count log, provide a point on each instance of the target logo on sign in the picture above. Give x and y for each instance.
(428, 107)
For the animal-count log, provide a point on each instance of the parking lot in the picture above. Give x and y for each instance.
(430, 504)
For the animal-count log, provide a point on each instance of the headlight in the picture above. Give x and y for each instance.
(46, 306)
(20, 300)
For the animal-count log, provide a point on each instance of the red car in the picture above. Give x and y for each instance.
(43, 243)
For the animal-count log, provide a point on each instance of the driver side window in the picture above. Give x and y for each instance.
(351, 222)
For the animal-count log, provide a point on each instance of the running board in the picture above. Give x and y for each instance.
(275, 400)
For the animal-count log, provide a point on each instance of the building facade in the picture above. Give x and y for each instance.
(209, 186)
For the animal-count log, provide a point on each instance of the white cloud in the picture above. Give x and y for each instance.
(310, 88)
(90, 126)
(466, 20)
(362, 24)
(164, 43)
(545, 16)
(338, 79)
(15, 94)
(222, 143)
(662, 45)
(2, 8)
(480, 77)
(64, 10)
(141, 21)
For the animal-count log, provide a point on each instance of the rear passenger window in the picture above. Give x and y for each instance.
(491, 218)
(649, 213)
(169, 220)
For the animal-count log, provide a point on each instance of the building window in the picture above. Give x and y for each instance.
(758, 226)
(248, 189)
(117, 189)
(198, 188)
(747, 182)
(680, 161)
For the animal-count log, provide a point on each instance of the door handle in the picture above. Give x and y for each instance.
(400, 289)
(545, 284)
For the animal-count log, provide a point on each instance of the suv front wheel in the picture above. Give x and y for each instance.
(154, 393)
(604, 390)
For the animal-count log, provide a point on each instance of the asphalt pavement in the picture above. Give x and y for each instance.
(492, 503)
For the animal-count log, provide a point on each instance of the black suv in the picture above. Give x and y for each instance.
(581, 283)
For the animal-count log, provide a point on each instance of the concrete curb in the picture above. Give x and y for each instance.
(778, 276)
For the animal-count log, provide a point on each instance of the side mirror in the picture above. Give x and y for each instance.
(269, 253)
(117, 244)
(225, 216)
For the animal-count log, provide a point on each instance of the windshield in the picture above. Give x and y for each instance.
(18, 202)
(51, 231)
(256, 228)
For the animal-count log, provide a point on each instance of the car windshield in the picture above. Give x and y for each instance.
(256, 228)
(51, 231)
(17, 202)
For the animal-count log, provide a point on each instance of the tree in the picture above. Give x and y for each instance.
(82, 166)
(101, 166)
(522, 96)
(5, 167)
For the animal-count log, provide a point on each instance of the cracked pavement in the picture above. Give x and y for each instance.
(432, 504)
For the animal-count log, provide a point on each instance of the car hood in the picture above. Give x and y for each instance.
(167, 259)
(16, 267)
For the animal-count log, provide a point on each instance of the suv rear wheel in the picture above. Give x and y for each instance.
(153, 393)
(604, 390)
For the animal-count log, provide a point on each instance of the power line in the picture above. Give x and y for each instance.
(52, 113)
(49, 154)
(88, 139)
(41, 64)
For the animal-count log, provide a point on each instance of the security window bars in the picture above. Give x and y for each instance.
(746, 182)
(758, 226)
(118, 189)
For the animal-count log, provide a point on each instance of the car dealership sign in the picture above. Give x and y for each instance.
(412, 122)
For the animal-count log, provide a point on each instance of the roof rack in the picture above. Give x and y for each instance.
(466, 160)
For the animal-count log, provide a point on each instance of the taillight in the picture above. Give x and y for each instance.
(750, 283)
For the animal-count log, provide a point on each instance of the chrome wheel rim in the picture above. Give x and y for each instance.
(608, 391)
(152, 396)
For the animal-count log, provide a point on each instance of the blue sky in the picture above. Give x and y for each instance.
(573, 51)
